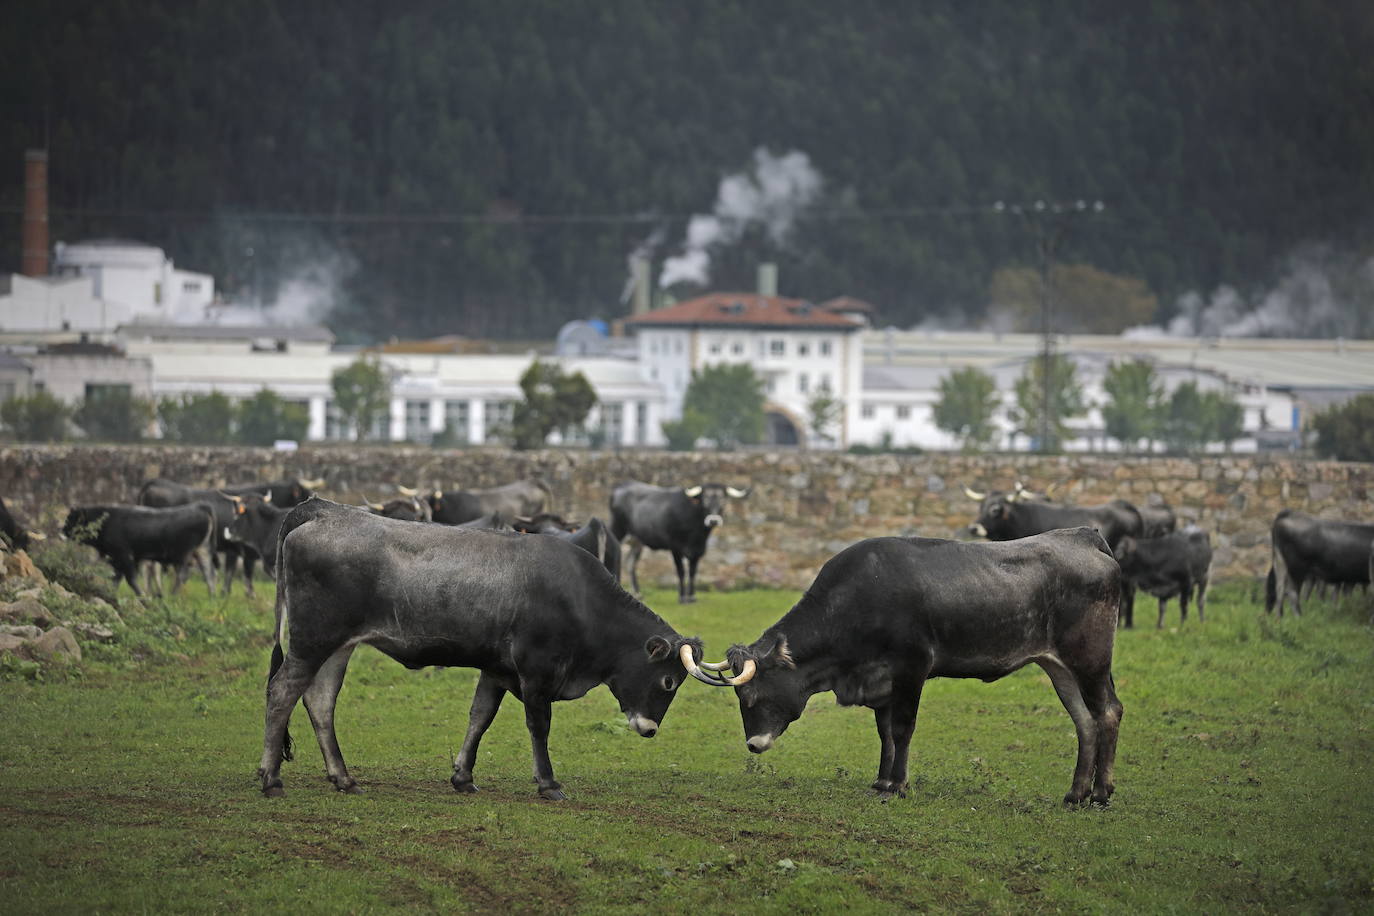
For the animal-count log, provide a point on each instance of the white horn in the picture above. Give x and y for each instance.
(737, 494)
(236, 500)
(974, 494)
(751, 668)
(685, 654)
(693, 492)
(313, 484)
(268, 497)
(438, 494)
(406, 491)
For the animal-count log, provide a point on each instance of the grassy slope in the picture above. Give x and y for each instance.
(1243, 782)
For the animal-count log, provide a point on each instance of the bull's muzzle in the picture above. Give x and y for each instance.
(759, 743)
(714, 520)
(645, 728)
(977, 530)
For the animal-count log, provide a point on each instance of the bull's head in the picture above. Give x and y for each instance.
(645, 687)
(711, 498)
(771, 691)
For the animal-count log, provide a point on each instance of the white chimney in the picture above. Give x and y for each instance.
(768, 279)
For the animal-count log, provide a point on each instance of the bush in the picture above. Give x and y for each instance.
(114, 414)
(1345, 432)
(265, 417)
(39, 417)
(206, 419)
(76, 568)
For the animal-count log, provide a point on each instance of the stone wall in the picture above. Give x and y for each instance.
(805, 506)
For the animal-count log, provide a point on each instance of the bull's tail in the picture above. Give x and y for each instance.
(278, 657)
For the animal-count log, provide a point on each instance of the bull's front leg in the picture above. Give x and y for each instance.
(636, 548)
(485, 703)
(683, 597)
(906, 700)
(538, 714)
(692, 576)
(249, 561)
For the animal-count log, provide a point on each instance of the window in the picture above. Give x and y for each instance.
(823, 383)
(334, 427)
(715, 348)
(803, 349)
(803, 382)
(825, 348)
(737, 348)
(613, 423)
(417, 421)
(496, 419)
(777, 347)
(456, 414)
(867, 412)
(903, 412)
(96, 392)
(6, 391)
(190, 286)
(769, 385)
(677, 345)
(641, 422)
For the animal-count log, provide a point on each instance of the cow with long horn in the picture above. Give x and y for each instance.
(887, 614)
(677, 519)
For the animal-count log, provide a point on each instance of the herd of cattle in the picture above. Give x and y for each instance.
(462, 579)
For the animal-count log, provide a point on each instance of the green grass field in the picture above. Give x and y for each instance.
(1244, 783)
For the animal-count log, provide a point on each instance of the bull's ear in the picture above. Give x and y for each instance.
(658, 648)
(778, 655)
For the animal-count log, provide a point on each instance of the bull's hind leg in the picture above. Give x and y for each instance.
(636, 548)
(285, 688)
(682, 595)
(320, 698)
(485, 702)
(1066, 685)
(1099, 692)
(207, 570)
(882, 717)
(538, 714)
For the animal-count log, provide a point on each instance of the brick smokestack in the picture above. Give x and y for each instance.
(34, 257)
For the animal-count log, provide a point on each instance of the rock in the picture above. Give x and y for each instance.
(58, 644)
(34, 593)
(11, 643)
(93, 631)
(21, 631)
(27, 609)
(19, 566)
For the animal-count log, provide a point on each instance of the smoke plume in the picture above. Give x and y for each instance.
(772, 194)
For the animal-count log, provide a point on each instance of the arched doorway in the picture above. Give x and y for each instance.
(779, 429)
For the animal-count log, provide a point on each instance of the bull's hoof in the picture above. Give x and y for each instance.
(1073, 800)
(553, 793)
(273, 791)
(686, 599)
(1102, 801)
(352, 789)
(463, 786)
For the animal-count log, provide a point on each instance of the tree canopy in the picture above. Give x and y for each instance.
(554, 400)
(1134, 400)
(1065, 400)
(485, 168)
(967, 407)
(724, 403)
(362, 392)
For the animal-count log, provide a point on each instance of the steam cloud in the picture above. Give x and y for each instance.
(1321, 294)
(772, 194)
(305, 295)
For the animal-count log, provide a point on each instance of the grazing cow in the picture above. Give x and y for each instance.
(593, 537)
(1006, 516)
(256, 524)
(521, 499)
(679, 519)
(538, 617)
(1172, 566)
(1155, 521)
(886, 614)
(162, 493)
(404, 508)
(18, 536)
(1313, 550)
(128, 535)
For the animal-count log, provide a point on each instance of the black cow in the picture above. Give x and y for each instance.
(521, 499)
(1172, 566)
(593, 537)
(1007, 516)
(538, 617)
(129, 535)
(163, 493)
(256, 524)
(1155, 521)
(677, 519)
(403, 508)
(1313, 550)
(18, 536)
(886, 614)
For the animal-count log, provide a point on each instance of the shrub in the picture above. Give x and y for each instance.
(39, 417)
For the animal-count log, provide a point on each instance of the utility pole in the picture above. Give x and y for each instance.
(1049, 222)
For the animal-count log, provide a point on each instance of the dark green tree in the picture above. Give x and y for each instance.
(207, 419)
(1345, 432)
(1066, 400)
(967, 406)
(265, 417)
(38, 417)
(729, 400)
(362, 392)
(114, 414)
(1135, 397)
(1193, 418)
(554, 400)
(682, 434)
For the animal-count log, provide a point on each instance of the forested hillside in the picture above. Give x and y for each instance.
(486, 167)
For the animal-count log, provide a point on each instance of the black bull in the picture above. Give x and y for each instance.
(539, 617)
(886, 614)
